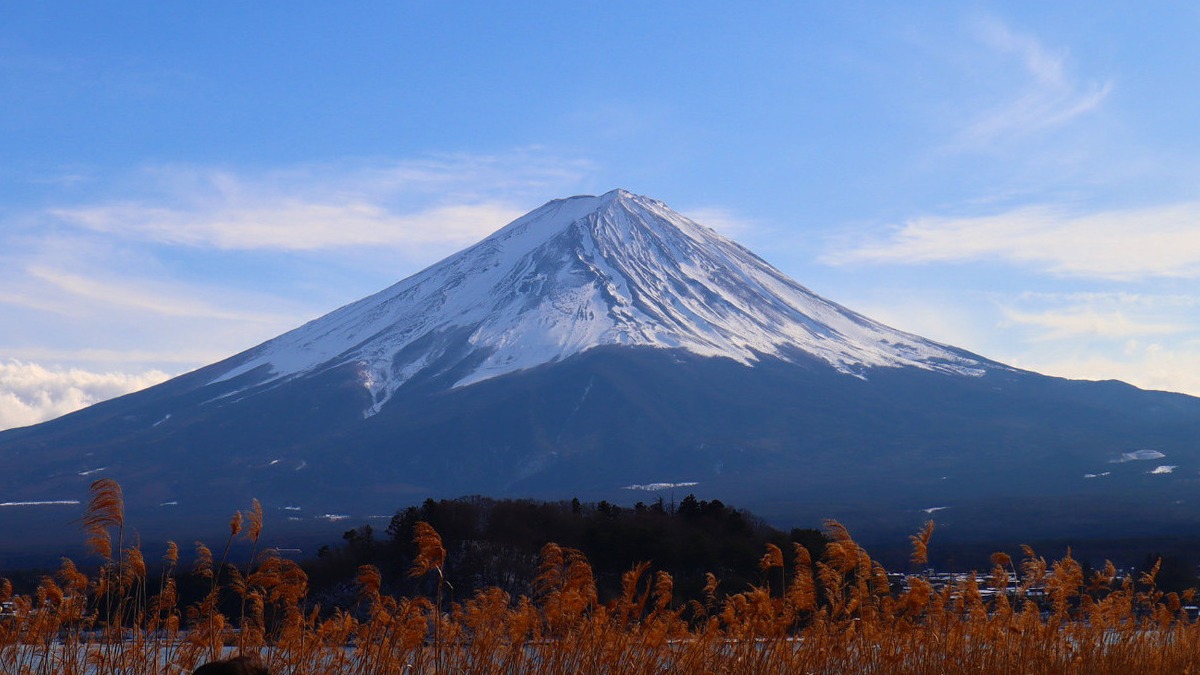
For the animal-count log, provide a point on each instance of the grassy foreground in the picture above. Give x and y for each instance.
(839, 614)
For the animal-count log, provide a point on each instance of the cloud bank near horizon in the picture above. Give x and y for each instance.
(32, 393)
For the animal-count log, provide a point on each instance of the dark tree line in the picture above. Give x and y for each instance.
(493, 542)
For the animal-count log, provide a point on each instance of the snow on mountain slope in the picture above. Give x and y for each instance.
(618, 269)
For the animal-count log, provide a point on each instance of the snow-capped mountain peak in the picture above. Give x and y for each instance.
(582, 272)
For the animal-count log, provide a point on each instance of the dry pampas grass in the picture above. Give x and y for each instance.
(841, 613)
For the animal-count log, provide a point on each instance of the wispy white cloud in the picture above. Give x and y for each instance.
(143, 295)
(1048, 97)
(1161, 241)
(115, 357)
(32, 393)
(449, 201)
(1167, 301)
(1111, 316)
(294, 224)
(1087, 322)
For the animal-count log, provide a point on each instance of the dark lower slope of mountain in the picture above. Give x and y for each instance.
(1004, 454)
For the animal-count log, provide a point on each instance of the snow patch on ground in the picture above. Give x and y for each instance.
(1138, 455)
(652, 487)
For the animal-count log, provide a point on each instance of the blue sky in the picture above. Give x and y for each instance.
(180, 182)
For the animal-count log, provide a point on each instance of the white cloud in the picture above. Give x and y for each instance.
(1161, 241)
(1049, 97)
(453, 201)
(294, 224)
(1111, 316)
(184, 358)
(142, 295)
(31, 393)
(1129, 299)
(1082, 321)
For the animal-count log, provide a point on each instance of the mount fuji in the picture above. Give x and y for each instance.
(581, 273)
(598, 346)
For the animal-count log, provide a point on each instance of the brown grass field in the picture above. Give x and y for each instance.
(840, 614)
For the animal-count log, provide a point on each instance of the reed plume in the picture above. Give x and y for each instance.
(920, 542)
(106, 510)
(431, 554)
